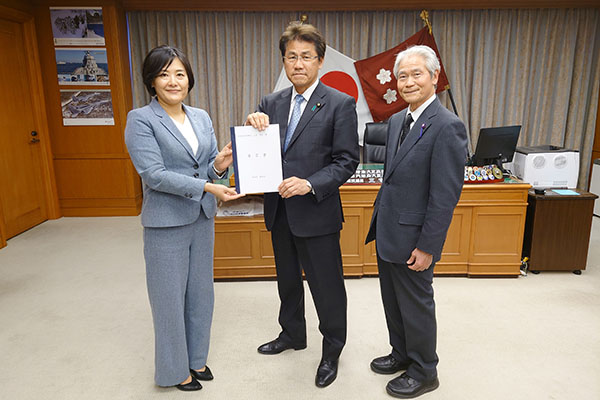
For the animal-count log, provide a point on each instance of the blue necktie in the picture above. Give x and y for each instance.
(296, 113)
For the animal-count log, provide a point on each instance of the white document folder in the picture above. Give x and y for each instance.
(256, 159)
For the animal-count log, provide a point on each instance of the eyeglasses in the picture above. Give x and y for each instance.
(305, 58)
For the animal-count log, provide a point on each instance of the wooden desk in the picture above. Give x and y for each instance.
(557, 231)
(485, 237)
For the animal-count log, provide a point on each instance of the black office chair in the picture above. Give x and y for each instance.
(374, 142)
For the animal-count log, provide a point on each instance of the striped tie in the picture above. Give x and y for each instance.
(293, 121)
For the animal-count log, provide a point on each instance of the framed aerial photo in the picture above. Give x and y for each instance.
(87, 107)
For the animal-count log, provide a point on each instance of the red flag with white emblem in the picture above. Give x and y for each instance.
(376, 76)
(339, 73)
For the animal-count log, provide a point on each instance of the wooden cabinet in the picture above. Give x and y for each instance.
(484, 239)
(557, 230)
(486, 233)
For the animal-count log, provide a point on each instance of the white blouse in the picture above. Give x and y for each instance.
(188, 133)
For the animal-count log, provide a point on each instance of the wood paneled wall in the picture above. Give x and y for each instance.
(94, 175)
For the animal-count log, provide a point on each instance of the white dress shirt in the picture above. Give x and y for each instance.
(417, 113)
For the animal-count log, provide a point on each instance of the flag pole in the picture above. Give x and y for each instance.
(425, 17)
(452, 100)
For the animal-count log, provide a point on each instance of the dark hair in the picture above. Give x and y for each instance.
(160, 58)
(304, 32)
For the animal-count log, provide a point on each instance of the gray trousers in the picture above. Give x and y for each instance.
(179, 275)
(410, 315)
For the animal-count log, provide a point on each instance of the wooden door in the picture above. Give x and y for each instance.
(22, 196)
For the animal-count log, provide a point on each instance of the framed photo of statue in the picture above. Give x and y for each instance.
(81, 26)
(82, 66)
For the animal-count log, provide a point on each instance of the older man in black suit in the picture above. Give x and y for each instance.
(423, 177)
(318, 128)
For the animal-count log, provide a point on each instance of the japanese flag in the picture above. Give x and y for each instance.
(339, 73)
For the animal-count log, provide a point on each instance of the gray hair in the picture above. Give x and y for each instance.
(431, 61)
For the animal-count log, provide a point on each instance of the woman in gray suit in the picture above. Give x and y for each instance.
(173, 148)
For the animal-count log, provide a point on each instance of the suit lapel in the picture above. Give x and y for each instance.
(414, 135)
(394, 134)
(315, 104)
(282, 110)
(197, 131)
(168, 123)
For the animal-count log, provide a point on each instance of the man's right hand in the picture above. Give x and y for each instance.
(258, 120)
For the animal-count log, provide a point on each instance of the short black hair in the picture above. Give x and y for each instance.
(297, 30)
(160, 58)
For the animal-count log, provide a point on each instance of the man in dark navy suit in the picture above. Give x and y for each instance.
(318, 128)
(423, 177)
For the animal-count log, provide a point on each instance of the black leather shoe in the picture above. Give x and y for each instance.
(190, 386)
(205, 375)
(405, 387)
(277, 346)
(388, 365)
(326, 373)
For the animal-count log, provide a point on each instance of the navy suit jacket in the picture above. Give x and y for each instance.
(173, 178)
(421, 185)
(324, 149)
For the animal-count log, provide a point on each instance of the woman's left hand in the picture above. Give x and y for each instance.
(222, 192)
(224, 158)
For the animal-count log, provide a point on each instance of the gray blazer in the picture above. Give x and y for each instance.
(421, 185)
(173, 178)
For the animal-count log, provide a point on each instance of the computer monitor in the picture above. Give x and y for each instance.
(496, 145)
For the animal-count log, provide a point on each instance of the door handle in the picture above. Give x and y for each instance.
(34, 138)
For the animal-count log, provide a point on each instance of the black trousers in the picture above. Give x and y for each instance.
(410, 315)
(320, 258)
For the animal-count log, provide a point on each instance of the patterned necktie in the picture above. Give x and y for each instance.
(405, 129)
(296, 113)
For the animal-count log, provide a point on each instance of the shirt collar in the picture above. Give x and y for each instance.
(307, 93)
(417, 113)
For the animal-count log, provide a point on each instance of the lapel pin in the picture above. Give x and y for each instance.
(421, 134)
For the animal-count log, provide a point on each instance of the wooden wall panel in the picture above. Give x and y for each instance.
(93, 173)
(92, 178)
(20, 5)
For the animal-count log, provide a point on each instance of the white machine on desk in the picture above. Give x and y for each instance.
(547, 166)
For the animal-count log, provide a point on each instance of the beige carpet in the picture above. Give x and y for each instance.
(75, 324)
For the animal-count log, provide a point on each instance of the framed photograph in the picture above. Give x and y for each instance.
(81, 66)
(77, 26)
(87, 107)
